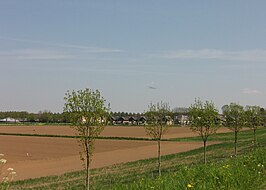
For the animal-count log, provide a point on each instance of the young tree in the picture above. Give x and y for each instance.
(88, 113)
(254, 119)
(234, 119)
(159, 120)
(263, 112)
(204, 120)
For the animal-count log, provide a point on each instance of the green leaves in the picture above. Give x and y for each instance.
(86, 107)
(89, 114)
(158, 118)
(235, 117)
(254, 117)
(204, 118)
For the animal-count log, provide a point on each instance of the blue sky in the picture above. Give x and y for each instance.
(134, 52)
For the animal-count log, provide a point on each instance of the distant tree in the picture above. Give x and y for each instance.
(158, 118)
(32, 117)
(118, 114)
(224, 108)
(180, 110)
(2, 115)
(253, 119)
(263, 112)
(234, 119)
(23, 115)
(88, 113)
(56, 118)
(45, 116)
(204, 120)
(65, 118)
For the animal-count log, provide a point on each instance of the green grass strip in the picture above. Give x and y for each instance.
(77, 137)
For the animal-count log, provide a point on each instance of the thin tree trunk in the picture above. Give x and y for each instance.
(88, 171)
(255, 139)
(159, 157)
(204, 144)
(87, 146)
(235, 143)
(87, 181)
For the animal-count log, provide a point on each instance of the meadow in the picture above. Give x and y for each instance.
(179, 171)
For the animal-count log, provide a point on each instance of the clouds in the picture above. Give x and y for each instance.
(44, 50)
(34, 54)
(214, 54)
(38, 49)
(250, 91)
(82, 48)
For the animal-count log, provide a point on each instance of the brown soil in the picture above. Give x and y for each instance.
(109, 131)
(33, 157)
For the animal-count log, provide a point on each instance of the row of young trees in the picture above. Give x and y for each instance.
(236, 117)
(205, 120)
(88, 111)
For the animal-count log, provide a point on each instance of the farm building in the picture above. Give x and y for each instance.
(128, 120)
(9, 120)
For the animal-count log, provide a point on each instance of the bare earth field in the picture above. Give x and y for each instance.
(33, 157)
(109, 131)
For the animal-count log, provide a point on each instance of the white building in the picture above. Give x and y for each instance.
(9, 120)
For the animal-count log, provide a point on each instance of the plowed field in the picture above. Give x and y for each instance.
(33, 157)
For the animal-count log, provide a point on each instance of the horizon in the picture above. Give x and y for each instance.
(134, 53)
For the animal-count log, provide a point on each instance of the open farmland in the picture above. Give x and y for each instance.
(109, 131)
(123, 176)
(42, 156)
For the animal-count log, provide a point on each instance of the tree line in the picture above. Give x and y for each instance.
(50, 117)
(41, 116)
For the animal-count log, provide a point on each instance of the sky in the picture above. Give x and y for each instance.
(134, 52)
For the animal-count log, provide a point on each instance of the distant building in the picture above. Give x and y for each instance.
(182, 119)
(169, 120)
(131, 120)
(9, 120)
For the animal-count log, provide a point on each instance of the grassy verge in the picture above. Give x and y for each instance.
(244, 172)
(223, 137)
(74, 136)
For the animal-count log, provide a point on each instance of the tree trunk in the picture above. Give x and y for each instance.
(255, 139)
(159, 157)
(87, 165)
(236, 142)
(88, 172)
(205, 158)
(87, 147)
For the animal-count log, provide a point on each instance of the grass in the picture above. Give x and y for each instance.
(245, 172)
(74, 136)
(178, 169)
(242, 135)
